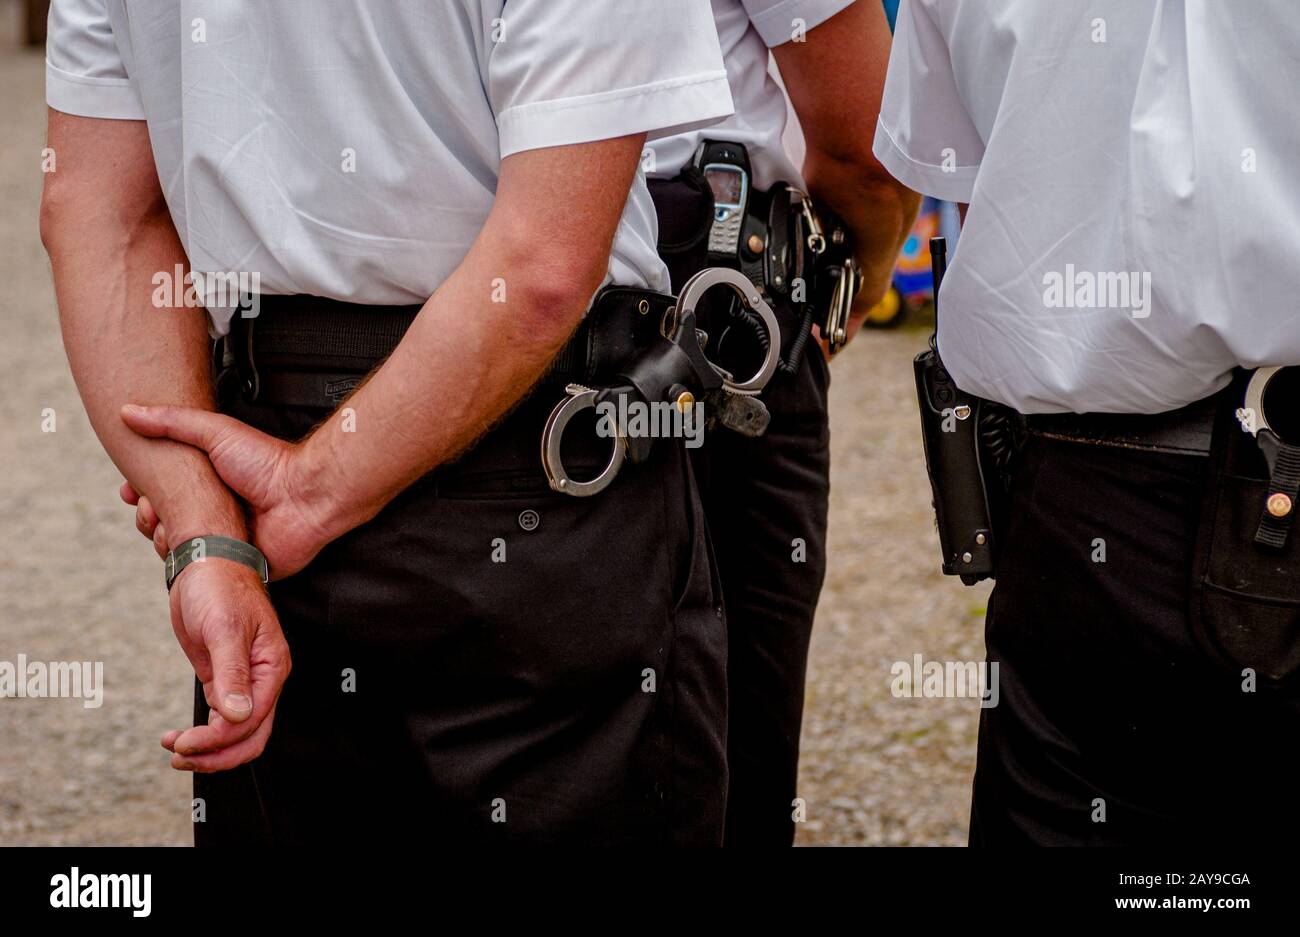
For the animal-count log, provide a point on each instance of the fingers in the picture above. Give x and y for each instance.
(147, 521)
(201, 428)
(270, 668)
(822, 343)
(149, 524)
(220, 734)
(227, 627)
(232, 756)
(228, 652)
(146, 518)
(249, 461)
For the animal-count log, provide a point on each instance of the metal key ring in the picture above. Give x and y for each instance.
(706, 280)
(579, 399)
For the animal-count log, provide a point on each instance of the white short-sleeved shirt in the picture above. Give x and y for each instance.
(746, 30)
(351, 150)
(1133, 174)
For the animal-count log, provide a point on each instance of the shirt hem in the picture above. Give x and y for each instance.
(775, 26)
(660, 109)
(84, 96)
(951, 185)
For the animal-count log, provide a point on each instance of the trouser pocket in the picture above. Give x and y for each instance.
(1246, 600)
(1245, 603)
(558, 657)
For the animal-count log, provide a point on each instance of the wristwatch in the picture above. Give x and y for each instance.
(198, 549)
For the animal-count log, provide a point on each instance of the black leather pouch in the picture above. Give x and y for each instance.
(622, 321)
(1245, 598)
(684, 205)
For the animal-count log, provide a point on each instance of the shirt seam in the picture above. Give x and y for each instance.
(603, 97)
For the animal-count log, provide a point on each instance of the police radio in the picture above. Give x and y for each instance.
(726, 168)
(968, 446)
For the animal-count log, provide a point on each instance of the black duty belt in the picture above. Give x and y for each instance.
(309, 351)
(1186, 431)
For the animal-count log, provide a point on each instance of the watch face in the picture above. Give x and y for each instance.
(727, 183)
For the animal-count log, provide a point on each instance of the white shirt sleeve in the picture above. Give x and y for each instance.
(84, 73)
(925, 136)
(779, 21)
(575, 72)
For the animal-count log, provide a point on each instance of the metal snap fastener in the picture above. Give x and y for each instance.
(1279, 505)
(529, 520)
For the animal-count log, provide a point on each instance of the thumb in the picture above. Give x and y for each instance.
(190, 425)
(244, 457)
(231, 678)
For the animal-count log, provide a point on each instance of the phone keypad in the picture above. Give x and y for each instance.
(725, 234)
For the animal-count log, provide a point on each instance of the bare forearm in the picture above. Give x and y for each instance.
(877, 210)
(104, 250)
(850, 52)
(484, 338)
(462, 365)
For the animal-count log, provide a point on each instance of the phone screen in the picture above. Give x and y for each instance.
(727, 185)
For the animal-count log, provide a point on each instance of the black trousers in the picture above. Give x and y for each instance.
(766, 503)
(487, 661)
(1113, 727)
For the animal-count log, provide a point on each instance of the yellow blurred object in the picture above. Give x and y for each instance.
(888, 312)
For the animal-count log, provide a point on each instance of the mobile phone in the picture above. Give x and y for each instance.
(726, 168)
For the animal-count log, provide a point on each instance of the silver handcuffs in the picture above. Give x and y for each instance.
(1251, 413)
(1252, 418)
(678, 328)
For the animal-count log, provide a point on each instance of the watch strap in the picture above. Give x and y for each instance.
(198, 549)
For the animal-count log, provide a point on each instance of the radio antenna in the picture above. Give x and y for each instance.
(938, 267)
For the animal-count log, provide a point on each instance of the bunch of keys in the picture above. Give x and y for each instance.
(847, 284)
(845, 273)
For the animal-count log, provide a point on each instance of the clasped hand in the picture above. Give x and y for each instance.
(220, 612)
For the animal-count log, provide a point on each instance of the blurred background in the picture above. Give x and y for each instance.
(78, 583)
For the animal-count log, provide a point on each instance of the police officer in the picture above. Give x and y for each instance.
(418, 202)
(1130, 244)
(766, 497)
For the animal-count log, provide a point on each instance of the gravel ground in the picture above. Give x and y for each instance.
(876, 770)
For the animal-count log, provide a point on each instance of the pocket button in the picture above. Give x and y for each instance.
(529, 520)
